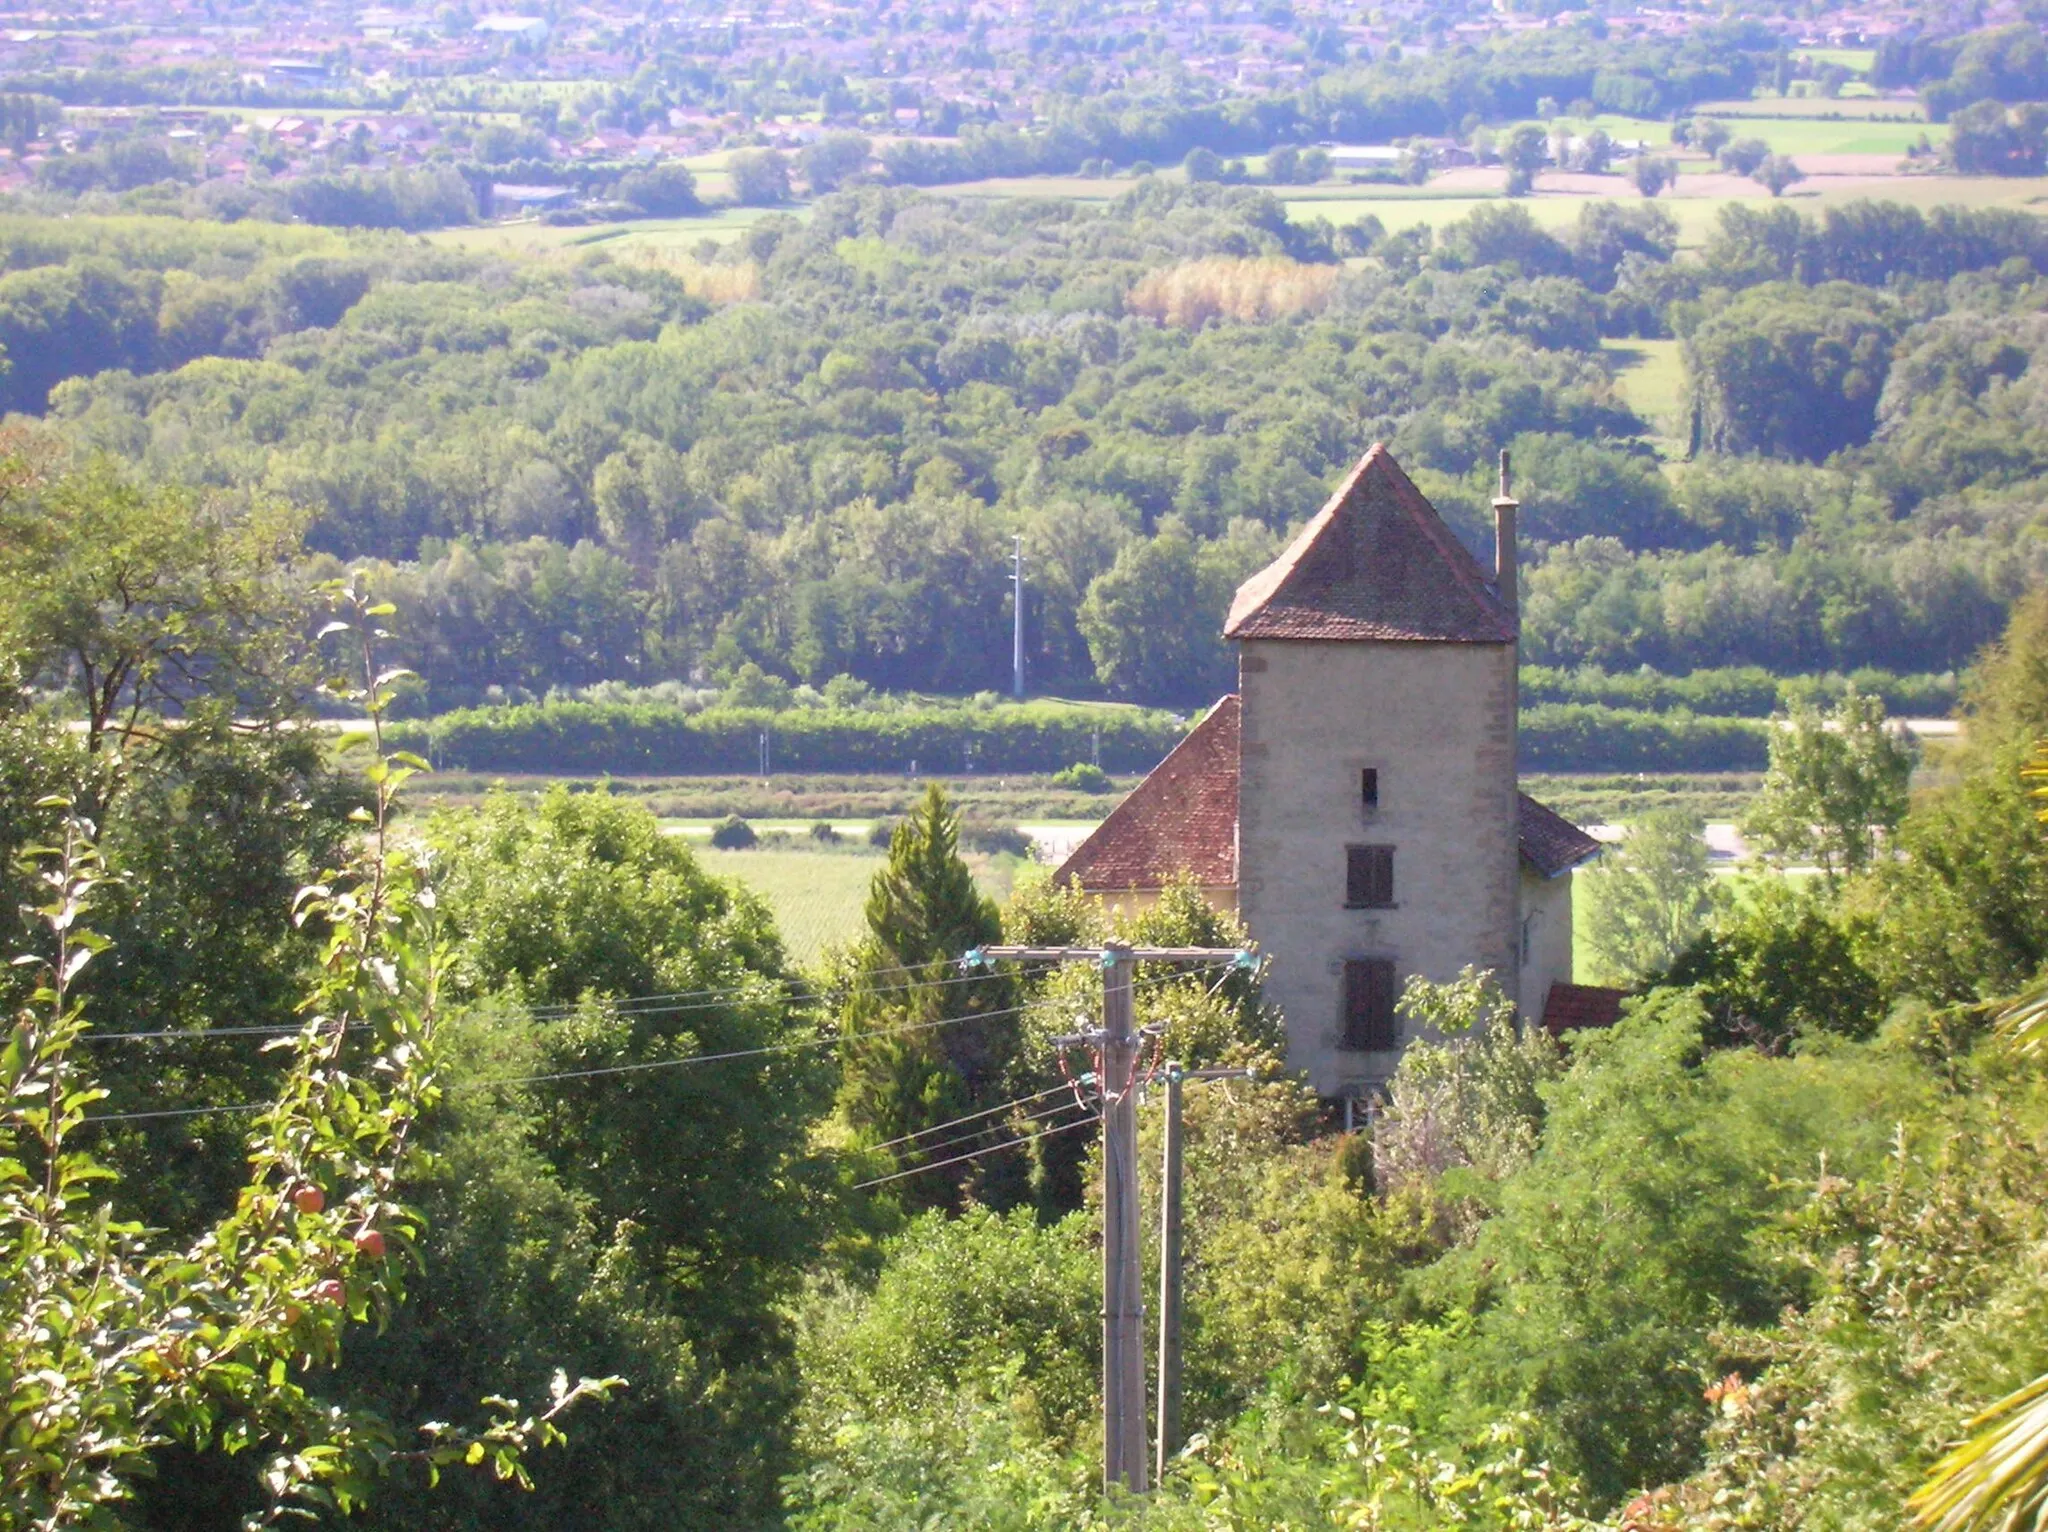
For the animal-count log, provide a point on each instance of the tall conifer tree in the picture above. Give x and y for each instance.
(929, 1041)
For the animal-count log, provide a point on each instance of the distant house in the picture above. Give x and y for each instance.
(1355, 800)
(1362, 156)
(299, 71)
(528, 29)
(514, 198)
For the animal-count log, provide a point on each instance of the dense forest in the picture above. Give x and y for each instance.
(534, 1092)
(808, 452)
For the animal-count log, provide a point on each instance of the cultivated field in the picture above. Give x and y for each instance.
(820, 897)
(677, 235)
(1850, 148)
(817, 897)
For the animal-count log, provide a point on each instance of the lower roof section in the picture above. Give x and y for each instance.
(1180, 823)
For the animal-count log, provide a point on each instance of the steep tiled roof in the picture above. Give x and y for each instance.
(1377, 562)
(1551, 844)
(1180, 822)
(1577, 1007)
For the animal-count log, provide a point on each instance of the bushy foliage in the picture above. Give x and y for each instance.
(1632, 1240)
(1836, 786)
(1776, 965)
(1466, 1093)
(1646, 898)
(609, 1197)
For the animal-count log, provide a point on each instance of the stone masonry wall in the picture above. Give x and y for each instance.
(1438, 722)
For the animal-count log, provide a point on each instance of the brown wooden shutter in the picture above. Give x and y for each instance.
(1369, 1024)
(1369, 877)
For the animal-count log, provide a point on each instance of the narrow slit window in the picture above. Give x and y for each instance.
(1369, 1023)
(1369, 789)
(1368, 877)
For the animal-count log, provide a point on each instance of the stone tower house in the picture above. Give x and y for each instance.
(1356, 800)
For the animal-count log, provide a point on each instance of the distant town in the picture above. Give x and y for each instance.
(545, 110)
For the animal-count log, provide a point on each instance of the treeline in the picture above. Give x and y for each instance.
(1747, 691)
(145, 177)
(2004, 64)
(140, 303)
(652, 740)
(1447, 92)
(575, 473)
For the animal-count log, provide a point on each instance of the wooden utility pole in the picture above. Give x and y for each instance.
(1123, 1300)
(1123, 1306)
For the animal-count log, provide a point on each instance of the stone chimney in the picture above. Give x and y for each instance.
(1504, 575)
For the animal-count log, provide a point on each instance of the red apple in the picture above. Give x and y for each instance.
(370, 1243)
(308, 1198)
(330, 1291)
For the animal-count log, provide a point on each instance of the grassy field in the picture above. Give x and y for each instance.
(1855, 60)
(819, 897)
(1696, 210)
(677, 234)
(1651, 377)
(1867, 108)
(1799, 134)
(1590, 798)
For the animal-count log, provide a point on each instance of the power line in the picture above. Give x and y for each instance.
(793, 1046)
(1043, 1114)
(970, 1117)
(627, 1005)
(184, 1034)
(181, 1111)
(1029, 1138)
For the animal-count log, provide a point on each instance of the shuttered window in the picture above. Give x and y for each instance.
(1369, 1025)
(1368, 877)
(1369, 789)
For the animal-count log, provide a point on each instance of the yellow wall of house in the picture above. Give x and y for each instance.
(1546, 940)
(1133, 902)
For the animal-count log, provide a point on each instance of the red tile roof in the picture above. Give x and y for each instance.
(1551, 844)
(1180, 822)
(1579, 1007)
(1377, 562)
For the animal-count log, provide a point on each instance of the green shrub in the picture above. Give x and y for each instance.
(733, 833)
(995, 839)
(1082, 777)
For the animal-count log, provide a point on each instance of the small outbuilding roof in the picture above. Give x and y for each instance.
(1180, 822)
(1376, 562)
(1580, 1008)
(1551, 844)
